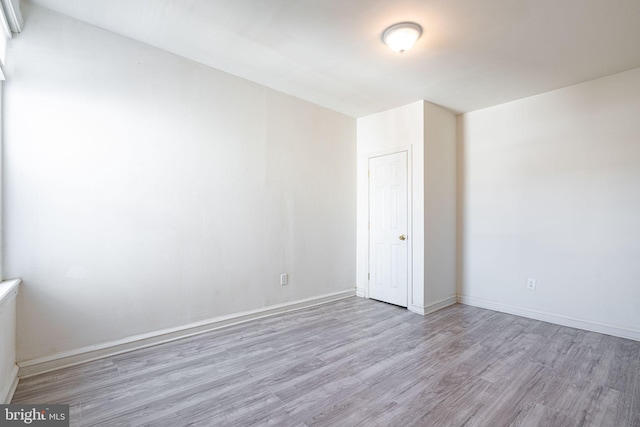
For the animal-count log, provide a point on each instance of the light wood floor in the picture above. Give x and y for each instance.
(361, 362)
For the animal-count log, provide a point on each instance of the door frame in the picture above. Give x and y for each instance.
(407, 149)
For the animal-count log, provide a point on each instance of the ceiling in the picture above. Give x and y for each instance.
(473, 54)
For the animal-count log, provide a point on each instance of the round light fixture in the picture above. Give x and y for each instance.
(401, 37)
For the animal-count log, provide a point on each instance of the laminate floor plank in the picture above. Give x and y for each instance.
(359, 362)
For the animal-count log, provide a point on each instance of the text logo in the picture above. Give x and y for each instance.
(34, 415)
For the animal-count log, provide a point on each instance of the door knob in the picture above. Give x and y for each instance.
(402, 237)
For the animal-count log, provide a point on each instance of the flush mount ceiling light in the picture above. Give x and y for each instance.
(401, 37)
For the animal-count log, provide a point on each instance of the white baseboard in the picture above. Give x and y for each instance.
(86, 354)
(361, 293)
(6, 394)
(434, 306)
(416, 309)
(559, 319)
(440, 304)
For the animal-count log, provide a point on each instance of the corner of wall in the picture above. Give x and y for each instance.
(460, 187)
(440, 205)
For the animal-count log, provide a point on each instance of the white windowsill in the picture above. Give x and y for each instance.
(8, 290)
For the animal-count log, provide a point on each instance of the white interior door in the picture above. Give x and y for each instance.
(388, 229)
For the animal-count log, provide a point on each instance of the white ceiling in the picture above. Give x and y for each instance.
(473, 53)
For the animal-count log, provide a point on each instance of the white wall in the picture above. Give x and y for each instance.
(393, 130)
(428, 132)
(551, 191)
(440, 205)
(144, 191)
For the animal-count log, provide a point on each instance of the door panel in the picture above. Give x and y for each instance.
(388, 221)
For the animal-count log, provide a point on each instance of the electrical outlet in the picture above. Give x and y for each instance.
(531, 284)
(284, 279)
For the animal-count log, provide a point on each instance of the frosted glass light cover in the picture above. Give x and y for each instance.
(401, 37)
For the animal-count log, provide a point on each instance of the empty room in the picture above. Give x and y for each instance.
(320, 213)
